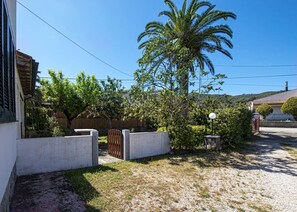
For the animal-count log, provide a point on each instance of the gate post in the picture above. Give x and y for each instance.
(94, 134)
(126, 144)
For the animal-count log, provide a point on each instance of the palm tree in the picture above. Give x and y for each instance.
(187, 29)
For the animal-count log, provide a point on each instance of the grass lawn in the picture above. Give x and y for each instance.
(200, 181)
(102, 139)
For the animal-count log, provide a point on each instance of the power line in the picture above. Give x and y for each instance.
(243, 77)
(253, 77)
(263, 76)
(73, 78)
(258, 66)
(72, 41)
(254, 85)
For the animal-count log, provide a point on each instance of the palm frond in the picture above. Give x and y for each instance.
(154, 25)
(184, 7)
(172, 6)
(170, 15)
(208, 63)
(224, 29)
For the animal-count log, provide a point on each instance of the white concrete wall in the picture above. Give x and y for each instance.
(41, 155)
(8, 153)
(148, 144)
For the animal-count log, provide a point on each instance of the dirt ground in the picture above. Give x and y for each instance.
(45, 192)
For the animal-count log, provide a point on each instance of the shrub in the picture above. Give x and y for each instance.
(185, 136)
(56, 128)
(234, 125)
(290, 107)
(181, 136)
(264, 110)
(198, 131)
(246, 126)
(161, 129)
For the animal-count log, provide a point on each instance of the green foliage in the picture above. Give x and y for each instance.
(42, 123)
(69, 98)
(198, 133)
(185, 136)
(173, 50)
(161, 108)
(56, 129)
(110, 102)
(264, 110)
(162, 129)
(233, 124)
(181, 136)
(290, 107)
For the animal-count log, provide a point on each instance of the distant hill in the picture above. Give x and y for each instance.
(250, 97)
(243, 98)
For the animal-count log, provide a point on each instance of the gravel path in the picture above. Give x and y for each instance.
(278, 169)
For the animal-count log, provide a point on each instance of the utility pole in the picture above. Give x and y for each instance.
(287, 86)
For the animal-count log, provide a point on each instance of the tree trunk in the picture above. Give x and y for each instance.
(110, 123)
(68, 123)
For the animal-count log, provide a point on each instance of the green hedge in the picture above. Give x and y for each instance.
(185, 136)
(234, 125)
(198, 131)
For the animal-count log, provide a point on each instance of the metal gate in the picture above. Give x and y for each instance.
(115, 143)
(256, 124)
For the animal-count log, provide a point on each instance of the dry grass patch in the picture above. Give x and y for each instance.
(292, 149)
(202, 181)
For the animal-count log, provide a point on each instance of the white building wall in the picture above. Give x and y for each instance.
(20, 107)
(8, 153)
(38, 155)
(149, 144)
(8, 131)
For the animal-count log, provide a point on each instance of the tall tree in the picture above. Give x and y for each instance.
(67, 97)
(109, 104)
(175, 49)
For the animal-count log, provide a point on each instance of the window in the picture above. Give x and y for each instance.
(7, 66)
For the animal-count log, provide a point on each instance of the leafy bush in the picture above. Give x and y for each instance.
(161, 129)
(264, 110)
(198, 131)
(181, 136)
(290, 107)
(234, 125)
(56, 128)
(185, 137)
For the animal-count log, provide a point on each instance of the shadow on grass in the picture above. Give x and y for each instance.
(81, 184)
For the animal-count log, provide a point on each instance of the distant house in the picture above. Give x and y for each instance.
(276, 101)
(17, 78)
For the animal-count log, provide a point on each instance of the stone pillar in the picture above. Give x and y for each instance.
(126, 143)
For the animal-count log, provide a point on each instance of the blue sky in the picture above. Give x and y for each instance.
(265, 33)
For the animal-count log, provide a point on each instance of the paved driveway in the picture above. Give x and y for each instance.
(278, 130)
(278, 168)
